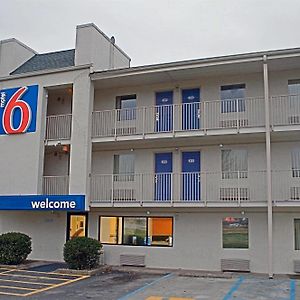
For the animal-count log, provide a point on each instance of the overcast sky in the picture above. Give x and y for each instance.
(153, 31)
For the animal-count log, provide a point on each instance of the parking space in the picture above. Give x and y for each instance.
(246, 287)
(117, 285)
(21, 283)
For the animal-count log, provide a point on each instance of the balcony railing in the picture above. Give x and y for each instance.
(286, 186)
(285, 110)
(203, 116)
(204, 188)
(56, 185)
(58, 127)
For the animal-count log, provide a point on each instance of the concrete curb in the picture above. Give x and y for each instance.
(93, 272)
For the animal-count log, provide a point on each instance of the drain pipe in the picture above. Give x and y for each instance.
(269, 175)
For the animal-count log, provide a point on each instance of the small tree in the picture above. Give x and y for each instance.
(82, 253)
(14, 248)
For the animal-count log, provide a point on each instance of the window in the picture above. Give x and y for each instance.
(77, 225)
(124, 167)
(294, 87)
(126, 106)
(233, 98)
(160, 231)
(234, 163)
(235, 233)
(136, 231)
(297, 233)
(296, 163)
(111, 230)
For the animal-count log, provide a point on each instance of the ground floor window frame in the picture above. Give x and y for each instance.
(235, 244)
(69, 215)
(147, 241)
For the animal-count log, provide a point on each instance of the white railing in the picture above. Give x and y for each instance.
(58, 127)
(285, 110)
(286, 186)
(56, 185)
(206, 115)
(200, 187)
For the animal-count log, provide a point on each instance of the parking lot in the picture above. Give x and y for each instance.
(121, 285)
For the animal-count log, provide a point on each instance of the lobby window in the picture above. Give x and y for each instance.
(136, 231)
(235, 233)
(297, 233)
(296, 163)
(124, 167)
(160, 231)
(111, 230)
(126, 106)
(234, 163)
(77, 225)
(233, 98)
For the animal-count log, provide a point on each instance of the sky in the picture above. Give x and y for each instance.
(157, 31)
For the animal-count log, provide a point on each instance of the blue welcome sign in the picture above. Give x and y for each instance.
(43, 202)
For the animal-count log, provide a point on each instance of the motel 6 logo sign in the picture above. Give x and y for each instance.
(18, 108)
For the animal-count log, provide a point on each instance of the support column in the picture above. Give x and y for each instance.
(81, 147)
(269, 175)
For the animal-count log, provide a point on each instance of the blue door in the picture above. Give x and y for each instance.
(190, 109)
(163, 176)
(164, 111)
(191, 183)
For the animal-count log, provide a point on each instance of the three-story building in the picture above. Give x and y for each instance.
(192, 164)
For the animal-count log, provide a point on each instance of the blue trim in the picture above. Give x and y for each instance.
(292, 289)
(234, 288)
(127, 296)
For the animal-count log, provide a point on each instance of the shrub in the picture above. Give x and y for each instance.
(14, 248)
(82, 253)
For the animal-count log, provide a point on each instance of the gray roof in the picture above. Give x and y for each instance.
(47, 61)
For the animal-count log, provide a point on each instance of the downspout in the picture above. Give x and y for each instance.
(268, 174)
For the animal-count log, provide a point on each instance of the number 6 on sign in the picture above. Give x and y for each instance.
(18, 110)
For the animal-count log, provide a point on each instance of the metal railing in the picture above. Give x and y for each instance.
(56, 185)
(204, 115)
(286, 185)
(58, 127)
(201, 116)
(285, 110)
(200, 187)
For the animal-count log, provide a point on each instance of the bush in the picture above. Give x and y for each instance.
(14, 248)
(82, 253)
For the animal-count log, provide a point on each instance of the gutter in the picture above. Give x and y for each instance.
(45, 72)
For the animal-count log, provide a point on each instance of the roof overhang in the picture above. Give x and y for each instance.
(191, 69)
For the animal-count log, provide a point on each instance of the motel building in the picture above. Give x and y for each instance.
(192, 164)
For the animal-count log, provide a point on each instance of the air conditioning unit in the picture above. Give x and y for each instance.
(132, 260)
(294, 120)
(234, 194)
(124, 195)
(295, 193)
(234, 123)
(234, 264)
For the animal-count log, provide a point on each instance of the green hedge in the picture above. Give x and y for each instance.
(82, 253)
(14, 248)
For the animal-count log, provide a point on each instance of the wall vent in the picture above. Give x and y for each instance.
(238, 265)
(132, 260)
